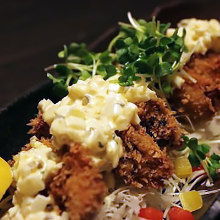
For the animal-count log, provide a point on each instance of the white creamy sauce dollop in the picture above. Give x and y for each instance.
(30, 171)
(91, 113)
(201, 35)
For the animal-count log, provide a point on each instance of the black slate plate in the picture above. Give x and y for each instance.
(13, 119)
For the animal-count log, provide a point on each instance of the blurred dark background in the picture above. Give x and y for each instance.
(32, 32)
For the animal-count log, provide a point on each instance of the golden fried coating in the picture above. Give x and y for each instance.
(39, 127)
(160, 123)
(78, 187)
(143, 163)
(200, 100)
(192, 101)
(47, 142)
(206, 70)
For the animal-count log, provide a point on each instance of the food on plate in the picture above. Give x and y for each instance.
(151, 213)
(134, 135)
(182, 167)
(78, 187)
(5, 176)
(143, 164)
(191, 200)
(200, 100)
(39, 127)
(176, 213)
(160, 124)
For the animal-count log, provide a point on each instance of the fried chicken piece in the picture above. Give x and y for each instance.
(214, 95)
(143, 163)
(160, 123)
(206, 70)
(78, 187)
(192, 101)
(200, 100)
(39, 127)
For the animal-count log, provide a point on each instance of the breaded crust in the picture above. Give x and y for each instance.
(160, 123)
(39, 127)
(143, 163)
(206, 70)
(192, 101)
(78, 187)
(200, 100)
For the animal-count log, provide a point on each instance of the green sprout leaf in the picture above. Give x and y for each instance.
(141, 47)
(60, 89)
(63, 53)
(186, 140)
(110, 71)
(105, 58)
(165, 41)
(193, 159)
(62, 70)
(142, 66)
(84, 75)
(199, 155)
(215, 157)
(163, 69)
(167, 88)
(193, 144)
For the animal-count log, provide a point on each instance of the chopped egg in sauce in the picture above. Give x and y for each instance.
(91, 113)
(201, 35)
(30, 170)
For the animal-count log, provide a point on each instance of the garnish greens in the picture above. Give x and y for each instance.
(199, 154)
(140, 49)
(81, 64)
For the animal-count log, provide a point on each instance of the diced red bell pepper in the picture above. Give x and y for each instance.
(151, 213)
(176, 213)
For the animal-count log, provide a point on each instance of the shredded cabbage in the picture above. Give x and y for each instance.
(125, 202)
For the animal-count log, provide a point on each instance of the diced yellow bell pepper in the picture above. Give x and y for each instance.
(5, 177)
(191, 200)
(182, 167)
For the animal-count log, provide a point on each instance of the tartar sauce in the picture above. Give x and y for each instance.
(201, 35)
(30, 171)
(91, 113)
